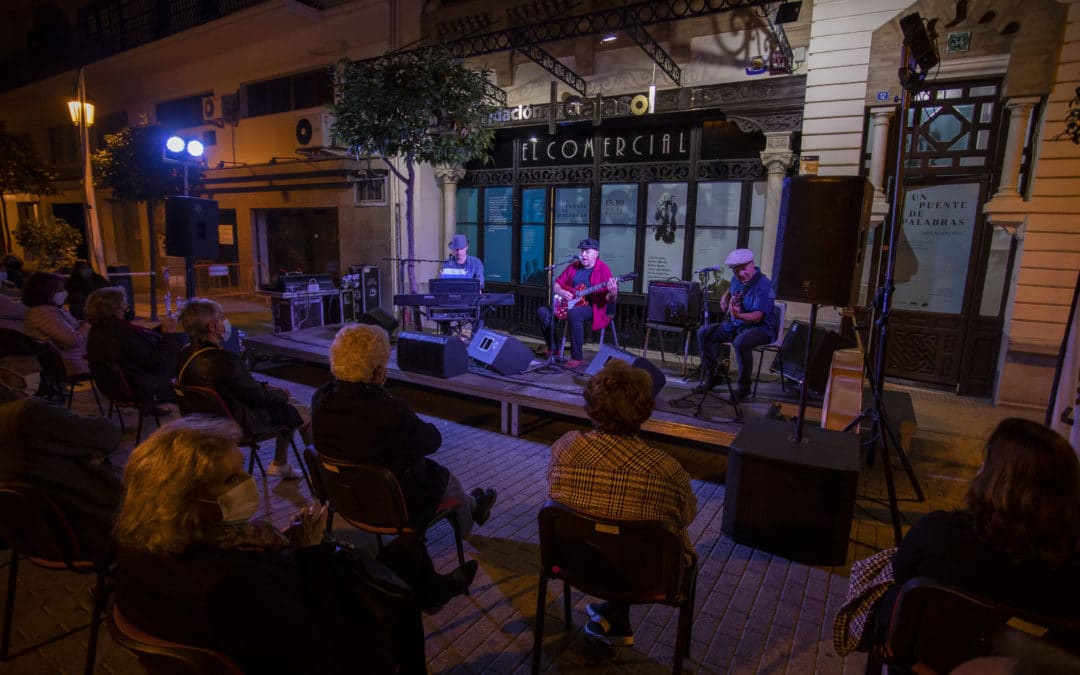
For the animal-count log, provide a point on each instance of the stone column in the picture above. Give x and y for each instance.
(777, 158)
(1019, 117)
(882, 117)
(449, 175)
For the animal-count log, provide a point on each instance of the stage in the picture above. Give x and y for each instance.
(560, 392)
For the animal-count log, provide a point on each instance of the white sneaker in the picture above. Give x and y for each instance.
(283, 471)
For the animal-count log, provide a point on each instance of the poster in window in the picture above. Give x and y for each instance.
(617, 250)
(618, 204)
(665, 231)
(572, 205)
(718, 204)
(498, 205)
(533, 235)
(934, 248)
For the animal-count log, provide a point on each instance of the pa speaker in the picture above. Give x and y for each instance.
(674, 302)
(438, 355)
(505, 355)
(191, 227)
(820, 239)
(793, 499)
(793, 355)
(380, 317)
(607, 352)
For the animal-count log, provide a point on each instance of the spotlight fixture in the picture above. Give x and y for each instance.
(608, 37)
(184, 150)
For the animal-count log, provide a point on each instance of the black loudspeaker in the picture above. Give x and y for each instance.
(380, 317)
(191, 227)
(607, 352)
(820, 239)
(438, 355)
(505, 354)
(792, 499)
(674, 302)
(370, 288)
(793, 355)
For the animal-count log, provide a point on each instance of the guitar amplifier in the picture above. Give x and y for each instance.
(677, 303)
(295, 313)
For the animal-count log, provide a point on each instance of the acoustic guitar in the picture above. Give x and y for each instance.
(582, 292)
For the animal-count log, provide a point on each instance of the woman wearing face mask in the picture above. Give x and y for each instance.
(46, 319)
(255, 405)
(193, 567)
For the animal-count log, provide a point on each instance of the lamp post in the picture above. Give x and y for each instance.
(76, 108)
(82, 116)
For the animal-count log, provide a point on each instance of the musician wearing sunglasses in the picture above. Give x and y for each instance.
(749, 321)
(582, 292)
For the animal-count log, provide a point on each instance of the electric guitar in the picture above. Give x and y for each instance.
(582, 292)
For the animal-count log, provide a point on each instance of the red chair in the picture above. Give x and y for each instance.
(206, 401)
(36, 528)
(632, 561)
(369, 497)
(159, 655)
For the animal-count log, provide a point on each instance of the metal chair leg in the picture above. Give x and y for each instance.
(538, 624)
(95, 622)
(9, 605)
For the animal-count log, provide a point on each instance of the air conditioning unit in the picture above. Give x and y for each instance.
(316, 131)
(219, 107)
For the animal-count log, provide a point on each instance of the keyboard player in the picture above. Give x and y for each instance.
(459, 264)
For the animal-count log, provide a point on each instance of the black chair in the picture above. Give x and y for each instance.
(55, 378)
(779, 313)
(369, 498)
(630, 561)
(159, 655)
(114, 385)
(35, 528)
(318, 484)
(206, 401)
(609, 309)
(937, 626)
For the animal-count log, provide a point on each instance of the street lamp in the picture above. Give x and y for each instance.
(75, 109)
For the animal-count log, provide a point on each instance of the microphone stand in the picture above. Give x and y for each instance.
(551, 365)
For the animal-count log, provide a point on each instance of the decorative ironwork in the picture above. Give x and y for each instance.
(556, 68)
(555, 175)
(495, 93)
(644, 172)
(651, 47)
(955, 128)
(485, 177)
(911, 352)
(731, 169)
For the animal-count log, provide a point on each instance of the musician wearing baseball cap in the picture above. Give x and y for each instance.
(748, 304)
(459, 264)
(586, 273)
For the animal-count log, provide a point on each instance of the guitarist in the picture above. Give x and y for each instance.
(750, 321)
(588, 270)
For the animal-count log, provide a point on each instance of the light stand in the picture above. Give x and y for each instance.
(917, 56)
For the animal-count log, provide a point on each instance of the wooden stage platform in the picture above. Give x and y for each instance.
(559, 392)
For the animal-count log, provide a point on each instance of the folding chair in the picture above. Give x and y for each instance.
(115, 386)
(779, 312)
(159, 655)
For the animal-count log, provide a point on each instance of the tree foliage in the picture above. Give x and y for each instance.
(51, 241)
(1072, 120)
(21, 171)
(132, 165)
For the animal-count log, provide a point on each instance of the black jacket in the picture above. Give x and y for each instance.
(256, 407)
(363, 423)
(147, 359)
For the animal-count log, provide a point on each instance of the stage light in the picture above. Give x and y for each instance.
(195, 148)
(184, 150)
(174, 144)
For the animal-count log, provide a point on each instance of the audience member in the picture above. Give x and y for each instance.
(194, 568)
(147, 358)
(355, 419)
(256, 406)
(82, 281)
(1017, 538)
(12, 313)
(46, 319)
(13, 266)
(50, 446)
(610, 472)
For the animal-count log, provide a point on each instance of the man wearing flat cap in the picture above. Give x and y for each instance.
(585, 272)
(459, 264)
(750, 321)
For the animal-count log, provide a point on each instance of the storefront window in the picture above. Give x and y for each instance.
(665, 231)
(533, 235)
(757, 219)
(468, 222)
(571, 220)
(618, 228)
(498, 235)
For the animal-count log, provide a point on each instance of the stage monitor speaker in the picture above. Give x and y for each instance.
(607, 352)
(793, 354)
(674, 302)
(380, 317)
(438, 355)
(820, 239)
(792, 499)
(505, 355)
(370, 287)
(191, 227)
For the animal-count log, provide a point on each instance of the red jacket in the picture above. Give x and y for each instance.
(600, 274)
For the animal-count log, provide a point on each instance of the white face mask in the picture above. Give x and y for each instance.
(240, 503)
(59, 298)
(227, 327)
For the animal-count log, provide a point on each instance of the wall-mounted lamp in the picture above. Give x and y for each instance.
(76, 110)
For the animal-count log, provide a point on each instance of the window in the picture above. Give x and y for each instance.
(498, 233)
(292, 92)
(370, 191)
(181, 113)
(665, 231)
(618, 228)
(534, 210)
(468, 215)
(571, 220)
(64, 144)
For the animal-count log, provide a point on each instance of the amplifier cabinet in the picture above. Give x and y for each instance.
(295, 313)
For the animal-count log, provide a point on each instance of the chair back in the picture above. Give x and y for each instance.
(158, 655)
(111, 381)
(779, 312)
(366, 495)
(35, 526)
(926, 611)
(637, 561)
(16, 343)
(196, 400)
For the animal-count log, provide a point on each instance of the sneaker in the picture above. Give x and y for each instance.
(604, 633)
(449, 586)
(283, 471)
(576, 364)
(485, 499)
